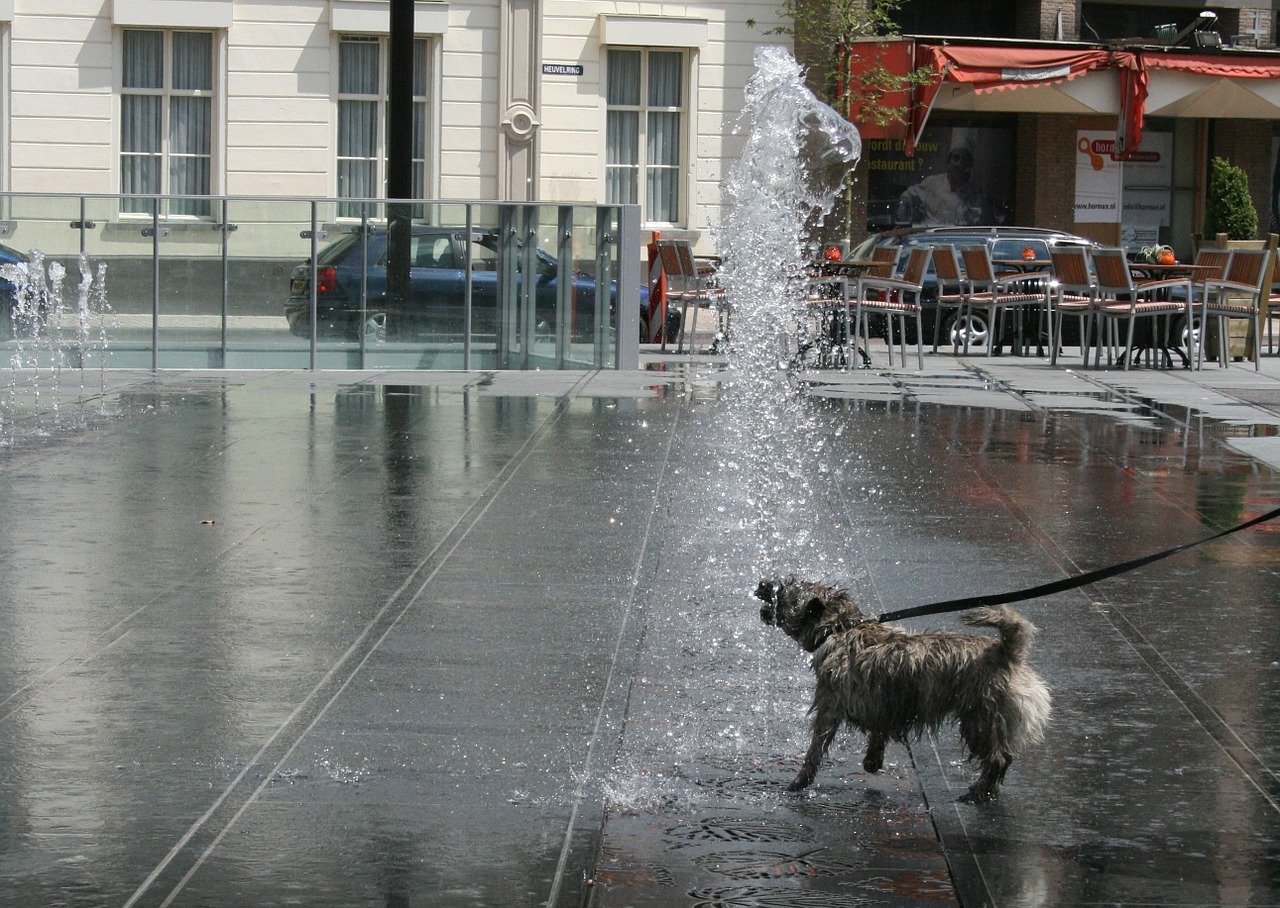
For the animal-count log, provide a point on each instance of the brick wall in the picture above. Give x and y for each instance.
(1247, 145)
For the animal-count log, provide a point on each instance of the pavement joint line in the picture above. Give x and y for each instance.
(623, 630)
(452, 540)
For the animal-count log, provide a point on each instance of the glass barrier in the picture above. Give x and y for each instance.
(306, 283)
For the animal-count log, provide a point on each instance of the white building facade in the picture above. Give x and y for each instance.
(560, 101)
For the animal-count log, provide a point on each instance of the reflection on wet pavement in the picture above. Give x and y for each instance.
(487, 639)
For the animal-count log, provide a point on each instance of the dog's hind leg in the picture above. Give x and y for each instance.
(825, 726)
(987, 786)
(874, 759)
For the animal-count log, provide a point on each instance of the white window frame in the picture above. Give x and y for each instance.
(167, 92)
(643, 110)
(426, 45)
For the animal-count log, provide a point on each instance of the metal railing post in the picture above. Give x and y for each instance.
(315, 302)
(627, 250)
(566, 285)
(466, 293)
(155, 283)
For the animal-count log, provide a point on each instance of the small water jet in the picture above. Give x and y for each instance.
(49, 340)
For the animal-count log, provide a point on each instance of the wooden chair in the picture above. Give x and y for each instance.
(1122, 300)
(1072, 291)
(996, 295)
(1240, 294)
(685, 286)
(896, 298)
(951, 291)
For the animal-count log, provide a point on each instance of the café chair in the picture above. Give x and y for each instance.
(1241, 293)
(1071, 291)
(996, 295)
(895, 298)
(1122, 301)
(951, 292)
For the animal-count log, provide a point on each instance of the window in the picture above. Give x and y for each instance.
(166, 119)
(644, 133)
(362, 115)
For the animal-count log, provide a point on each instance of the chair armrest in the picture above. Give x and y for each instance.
(1251, 289)
(885, 283)
(1005, 281)
(1163, 284)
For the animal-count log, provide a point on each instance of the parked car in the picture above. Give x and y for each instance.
(436, 294)
(1003, 242)
(9, 256)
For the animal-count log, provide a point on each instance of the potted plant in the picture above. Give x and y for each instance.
(1228, 206)
(1229, 214)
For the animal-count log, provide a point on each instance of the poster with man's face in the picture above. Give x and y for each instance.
(959, 176)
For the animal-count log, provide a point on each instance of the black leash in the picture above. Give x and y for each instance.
(1069, 583)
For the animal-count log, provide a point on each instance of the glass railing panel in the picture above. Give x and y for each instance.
(595, 312)
(340, 308)
(119, 243)
(233, 289)
(267, 278)
(189, 272)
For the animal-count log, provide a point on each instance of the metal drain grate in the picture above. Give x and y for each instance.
(760, 897)
(735, 830)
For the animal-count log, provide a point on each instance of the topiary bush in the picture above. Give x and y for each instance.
(1229, 207)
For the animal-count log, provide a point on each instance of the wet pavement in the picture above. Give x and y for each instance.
(274, 638)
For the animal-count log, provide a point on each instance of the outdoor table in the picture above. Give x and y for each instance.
(1155, 271)
(1010, 269)
(1023, 265)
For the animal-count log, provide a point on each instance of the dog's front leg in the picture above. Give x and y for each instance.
(874, 760)
(825, 726)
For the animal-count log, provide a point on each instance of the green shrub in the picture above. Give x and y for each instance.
(1229, 208)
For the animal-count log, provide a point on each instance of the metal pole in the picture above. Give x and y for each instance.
(155, 283)
(226, 229)
(314, 235)
(466, 293)
(399, 152)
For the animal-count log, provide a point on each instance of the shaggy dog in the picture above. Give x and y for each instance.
(892, 684)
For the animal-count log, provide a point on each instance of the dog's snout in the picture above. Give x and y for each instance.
(767, 591)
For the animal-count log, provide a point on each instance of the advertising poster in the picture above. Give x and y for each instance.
(1148, 181)
(959, 176)
(1098, 176)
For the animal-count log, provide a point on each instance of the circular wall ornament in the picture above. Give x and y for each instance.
(520, 122)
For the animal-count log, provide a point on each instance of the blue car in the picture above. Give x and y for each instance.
(8, 256)
(435, 307)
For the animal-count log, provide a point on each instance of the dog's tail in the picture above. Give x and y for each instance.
(1016, 632)
(1027, 707)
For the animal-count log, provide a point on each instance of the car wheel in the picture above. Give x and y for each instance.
(974, 326)
(644, 328)
(375, 327)
(673, 326)
(1188, 338)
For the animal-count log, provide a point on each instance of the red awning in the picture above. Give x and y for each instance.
(997, 68)
(1005, 67)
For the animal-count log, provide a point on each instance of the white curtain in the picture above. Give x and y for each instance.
(664, 127)
(622, 128)
(358, 74)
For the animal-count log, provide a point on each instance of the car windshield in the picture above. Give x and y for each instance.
(1014, 248)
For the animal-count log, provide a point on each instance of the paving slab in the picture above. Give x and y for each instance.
(487, 638)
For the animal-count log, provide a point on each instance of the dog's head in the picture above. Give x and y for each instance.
(809, 613)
